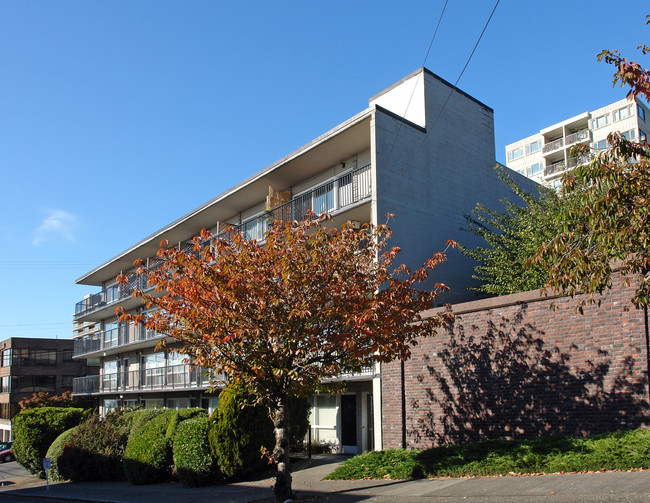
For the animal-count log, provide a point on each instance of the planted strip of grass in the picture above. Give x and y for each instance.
(611, 451)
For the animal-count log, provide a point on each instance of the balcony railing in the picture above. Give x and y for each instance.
(332, 196)
(581, 135)
(554, 145)
(552, 169)
(572, 162)
(152, 379)
(113, 338)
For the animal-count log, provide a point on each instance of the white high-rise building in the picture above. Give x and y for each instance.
(544, 156)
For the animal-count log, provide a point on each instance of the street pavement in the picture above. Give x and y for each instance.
(19, 486)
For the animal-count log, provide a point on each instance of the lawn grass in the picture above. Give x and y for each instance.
(612, 451)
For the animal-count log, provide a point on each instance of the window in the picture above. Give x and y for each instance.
(535, 168)
(629, 135)
(531, 148)
(522, 171)
(6, 358)
(599, 122)
(34, 356)
(4, 382)
(111, 335)
(622, 113)
(66, 381)
(36, 383)
(642, 135)
(640, 111)
(515, 154)
(323, 418)
(600, 145)
(109, 376)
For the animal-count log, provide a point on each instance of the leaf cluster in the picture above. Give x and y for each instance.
(306, 304)
(512, 236)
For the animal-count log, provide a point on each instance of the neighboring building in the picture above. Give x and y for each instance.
(30, 365)
(546, 155)
(425, 166)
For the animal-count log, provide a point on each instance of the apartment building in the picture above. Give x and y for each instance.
(546, 155)
(33, 365)
(421, 150)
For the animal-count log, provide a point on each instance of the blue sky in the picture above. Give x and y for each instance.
(118, 117)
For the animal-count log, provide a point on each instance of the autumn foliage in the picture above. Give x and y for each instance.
(279, 316)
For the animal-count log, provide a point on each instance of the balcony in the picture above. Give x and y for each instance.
(333, 196)
(176, 377)
(578, 136)
(553, 146)
(114, 338)
(554, 169)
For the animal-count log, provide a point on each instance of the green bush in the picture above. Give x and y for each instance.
(140, 418)
(96, 450)
(148, 454)
(56, 451)
(239, 432)
(193, 459)
(34, 430)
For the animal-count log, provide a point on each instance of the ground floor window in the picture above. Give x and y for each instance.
(323, 419)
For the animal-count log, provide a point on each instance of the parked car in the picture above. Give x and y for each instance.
(6, 452)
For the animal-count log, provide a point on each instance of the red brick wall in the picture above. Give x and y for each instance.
(511, 367)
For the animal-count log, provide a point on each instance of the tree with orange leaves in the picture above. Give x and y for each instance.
(308, 303)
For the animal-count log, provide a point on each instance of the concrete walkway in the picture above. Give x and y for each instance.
(18, 485)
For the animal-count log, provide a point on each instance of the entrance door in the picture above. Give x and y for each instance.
(349, 423)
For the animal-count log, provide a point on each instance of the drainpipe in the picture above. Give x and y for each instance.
(404, 402)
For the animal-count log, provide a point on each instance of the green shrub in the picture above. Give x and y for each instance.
(238, 433)
(193, 459)
(34, 430)
(56, 451)
(148, 454)
(140, 418)
(96, 450)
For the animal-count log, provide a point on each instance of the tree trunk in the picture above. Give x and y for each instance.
(282, 487)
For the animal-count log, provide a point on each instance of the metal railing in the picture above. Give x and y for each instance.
(351, 188)
(344, 191)
(148, 379)
(113, 338)
(572, 162)
(554, 168)
(554, 145)
(581, 135)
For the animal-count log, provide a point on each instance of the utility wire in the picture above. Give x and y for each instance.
(399, 128)
(455, 87)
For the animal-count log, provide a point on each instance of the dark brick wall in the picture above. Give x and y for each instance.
(512, 367)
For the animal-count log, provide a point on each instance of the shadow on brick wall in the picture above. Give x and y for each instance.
(507, 382)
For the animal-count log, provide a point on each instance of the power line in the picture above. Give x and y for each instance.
(426, 56)
(455, 87)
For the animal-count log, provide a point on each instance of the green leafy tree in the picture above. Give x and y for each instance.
(512, 237)
(610, 229)
(306, 304)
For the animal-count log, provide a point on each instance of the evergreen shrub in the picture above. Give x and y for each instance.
(239, 432)
(193, 459)
(34, 430)
(56, 451)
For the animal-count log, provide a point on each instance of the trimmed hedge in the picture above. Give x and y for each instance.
(193, 459)
(96, 450)
(34, 430)
(56, 451)
(239, 432)
(148, 454)
(140, 418)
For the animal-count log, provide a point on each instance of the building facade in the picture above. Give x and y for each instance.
(32, 365)
(546, 155)
(422, 150)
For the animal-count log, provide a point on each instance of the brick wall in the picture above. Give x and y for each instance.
(512, 367)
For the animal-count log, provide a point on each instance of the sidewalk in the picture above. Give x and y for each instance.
(308, 483)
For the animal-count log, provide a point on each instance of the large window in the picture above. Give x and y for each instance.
(531, 148)
(6, 358)
(323, 418)
(623, 113)
(599, 122)
(109, 376)
(515, 154)
(4, 382)
(535, 168)
(154, 369)
(34, 356)
(640, 111)
(601, 145)
(36, 383)
(629, 135)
